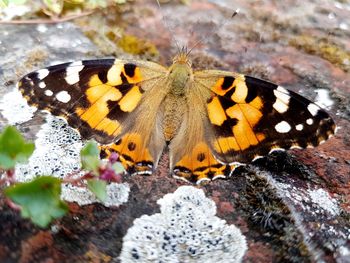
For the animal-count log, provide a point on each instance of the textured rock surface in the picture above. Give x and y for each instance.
(291, 207)
(186, 230)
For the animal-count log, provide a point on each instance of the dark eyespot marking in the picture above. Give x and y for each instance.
(201, 157)
(131, 146)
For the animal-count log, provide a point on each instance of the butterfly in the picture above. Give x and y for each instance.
(210, 121)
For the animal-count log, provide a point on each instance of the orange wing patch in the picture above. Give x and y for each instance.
(131, 99)
(116, 93)
(120, 72)
(200, 165)
(95, 114)
(135, 158)
(216, 113)
(237, 85)
(230, 110)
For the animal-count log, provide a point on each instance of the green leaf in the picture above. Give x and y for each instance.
(90, 157)
(118, 168)
(98, 187)
(55, 6)
(39, 199)
(13, 148)
(4, 3)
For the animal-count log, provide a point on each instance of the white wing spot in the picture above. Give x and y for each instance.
(309, 121)
(296, 146)
(280, 106)
(257, 157)
(322, 142)
(313, 109)
(283, 127)
(42, 73)
(72, 72)
(282, 99)
(276, 149)
(48, 93)
(299, 127)
(42, 85)
(282, 94)
(283, 90)
(63, 96)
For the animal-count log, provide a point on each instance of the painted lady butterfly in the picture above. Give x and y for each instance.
(210, 121)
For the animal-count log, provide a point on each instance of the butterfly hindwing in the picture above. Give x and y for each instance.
(250, 117)
(200, 165)
(135, 158)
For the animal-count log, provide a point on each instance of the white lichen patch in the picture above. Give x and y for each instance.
(14, 108)
(57, 153)
(323, 99)
(323, 200)
(42, 28)
(186, 230)
(316, 200)
(117, 194)
(317, 215)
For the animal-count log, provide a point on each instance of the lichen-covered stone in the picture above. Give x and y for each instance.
(186, 230)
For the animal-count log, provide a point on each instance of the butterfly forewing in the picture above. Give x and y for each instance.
(98, 97)
(95, 96)
(250, 117)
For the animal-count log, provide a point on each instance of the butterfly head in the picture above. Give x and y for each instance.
(182, 57)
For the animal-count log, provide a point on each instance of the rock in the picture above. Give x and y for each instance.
(290, 207)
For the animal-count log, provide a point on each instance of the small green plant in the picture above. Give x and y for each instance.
(39, 200)
(99, 174)
(13, 148)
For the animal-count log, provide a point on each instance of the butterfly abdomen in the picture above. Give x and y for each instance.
(174, 105)
(173, 113)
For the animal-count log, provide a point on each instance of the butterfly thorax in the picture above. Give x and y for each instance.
(180, 75)
(180, 79)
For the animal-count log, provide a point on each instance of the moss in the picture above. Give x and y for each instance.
(269, 215)
(112, 39)
(324, 48)
(133, 45)
(34, 59)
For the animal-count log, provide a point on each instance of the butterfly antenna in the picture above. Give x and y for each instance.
(169, 28)
(206, 36)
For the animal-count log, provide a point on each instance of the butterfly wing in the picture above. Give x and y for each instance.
(200, 165)
(104, 99)
(250, 117)
(234, 119)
